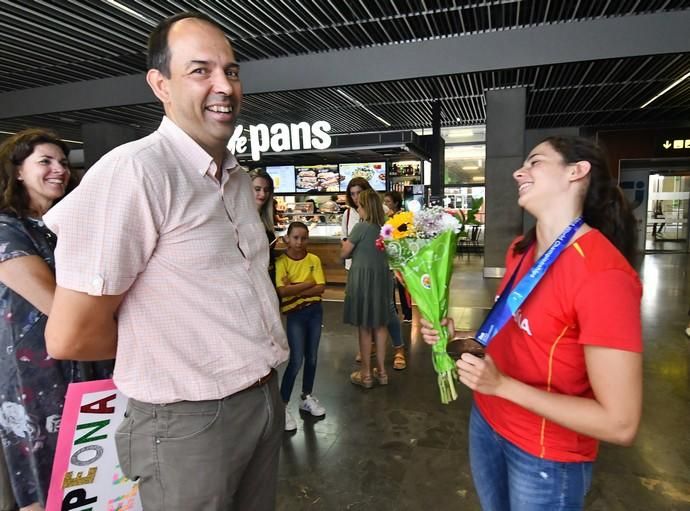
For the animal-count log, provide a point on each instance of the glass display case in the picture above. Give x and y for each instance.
(323, 217)
(320, 224)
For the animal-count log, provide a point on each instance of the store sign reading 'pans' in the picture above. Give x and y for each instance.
(280, 137)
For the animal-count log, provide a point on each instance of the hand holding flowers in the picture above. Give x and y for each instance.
(421, 246)
(480, 374)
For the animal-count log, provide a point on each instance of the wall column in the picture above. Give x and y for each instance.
(505, 140)
(438, 156)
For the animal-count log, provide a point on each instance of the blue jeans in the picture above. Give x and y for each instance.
(404, 304)
(509, 479)
(394, 327)
(303, 334)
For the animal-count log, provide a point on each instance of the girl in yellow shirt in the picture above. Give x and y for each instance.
(300, 283)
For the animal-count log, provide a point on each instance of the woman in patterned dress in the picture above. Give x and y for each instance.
(34, 173)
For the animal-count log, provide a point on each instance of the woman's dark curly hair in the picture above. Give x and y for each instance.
(605, 207)
(13, 151)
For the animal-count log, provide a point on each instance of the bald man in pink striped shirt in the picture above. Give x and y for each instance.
(161, 262)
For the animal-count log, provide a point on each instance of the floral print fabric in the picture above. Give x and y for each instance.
(32, 384)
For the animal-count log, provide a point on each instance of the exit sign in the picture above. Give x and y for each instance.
(672, 143)
(676, 143)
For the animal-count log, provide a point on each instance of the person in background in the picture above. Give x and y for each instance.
(369, 289)
(657, 228)
(262, 184)
(315, 217)
(566, 371)
(162, 258)
(300, 282)
(34, 174)
(331, 205)
(350, 218)
(393, 200)
(279, 220)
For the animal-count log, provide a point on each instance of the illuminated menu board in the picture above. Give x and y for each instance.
(375, 173)
(283, 178)
(317, 178)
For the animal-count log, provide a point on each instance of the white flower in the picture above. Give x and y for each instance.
(13, 418)
(450, 223)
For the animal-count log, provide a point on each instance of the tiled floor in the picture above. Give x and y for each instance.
(398, 448)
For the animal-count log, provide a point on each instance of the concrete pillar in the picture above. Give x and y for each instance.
(438, 156)
(505, 140)
(101, 137)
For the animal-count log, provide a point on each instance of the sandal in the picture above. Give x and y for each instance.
(382, 378)
(399, 362)
(363, 381)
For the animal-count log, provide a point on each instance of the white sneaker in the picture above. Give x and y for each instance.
(290, 422)
(311, 405)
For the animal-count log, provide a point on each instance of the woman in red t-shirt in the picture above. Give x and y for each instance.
(566, 370)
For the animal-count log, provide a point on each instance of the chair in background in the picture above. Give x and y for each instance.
(470, 244)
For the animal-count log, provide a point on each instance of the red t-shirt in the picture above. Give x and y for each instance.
(590, 295)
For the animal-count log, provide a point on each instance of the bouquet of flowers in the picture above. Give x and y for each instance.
(421, 247)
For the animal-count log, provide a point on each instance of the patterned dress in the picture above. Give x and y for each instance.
(32, 385)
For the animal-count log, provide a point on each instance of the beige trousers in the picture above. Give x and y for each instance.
(219, 455)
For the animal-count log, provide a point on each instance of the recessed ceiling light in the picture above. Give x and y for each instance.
(129, 11)
(359, 104)
(686, 75)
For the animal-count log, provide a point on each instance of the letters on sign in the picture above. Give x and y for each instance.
(280, 137)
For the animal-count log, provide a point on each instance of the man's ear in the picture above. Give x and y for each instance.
(579, 170)
(159, 85)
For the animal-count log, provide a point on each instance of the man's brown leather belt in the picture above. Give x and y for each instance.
(263, 380)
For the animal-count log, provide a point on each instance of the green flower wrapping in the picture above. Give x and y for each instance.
(426, 266)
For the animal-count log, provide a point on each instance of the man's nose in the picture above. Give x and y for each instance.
(222, 84)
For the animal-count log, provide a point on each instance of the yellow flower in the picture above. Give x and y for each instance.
(403, 225)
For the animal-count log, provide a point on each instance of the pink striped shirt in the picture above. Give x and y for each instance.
(200, 317)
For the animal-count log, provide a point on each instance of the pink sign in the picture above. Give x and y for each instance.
(86, 472)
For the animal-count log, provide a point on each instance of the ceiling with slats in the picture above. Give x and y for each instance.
(47, 43)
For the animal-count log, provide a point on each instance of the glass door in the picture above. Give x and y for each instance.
(668, 209)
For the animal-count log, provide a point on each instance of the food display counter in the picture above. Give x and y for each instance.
(324, 241)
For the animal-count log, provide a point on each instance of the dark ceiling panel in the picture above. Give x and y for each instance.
(59, 42)
(46, 43)
(600, 93)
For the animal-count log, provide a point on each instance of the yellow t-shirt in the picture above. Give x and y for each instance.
(298, 271)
